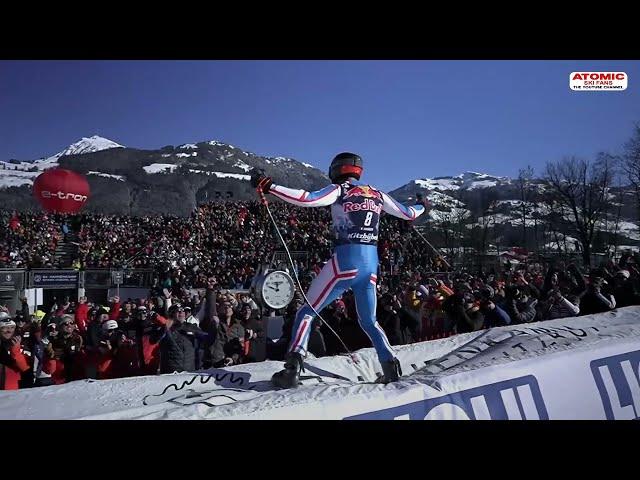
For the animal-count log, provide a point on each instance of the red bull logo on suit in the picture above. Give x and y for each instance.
(367, 205)
(362, 191)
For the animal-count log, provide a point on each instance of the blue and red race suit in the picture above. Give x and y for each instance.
(355, 210)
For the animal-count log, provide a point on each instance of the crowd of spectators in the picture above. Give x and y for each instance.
(29, 240)
(190, 319)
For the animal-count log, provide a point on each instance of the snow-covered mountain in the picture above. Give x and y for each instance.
(166, 180)
(89, 145)
(475, 200)
(15, 174)
(465, 181)
(175, 179)
(450, 195)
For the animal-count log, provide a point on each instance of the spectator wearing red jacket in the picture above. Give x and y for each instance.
(106, 350)
(81, 315)
(13, 362)
(60, 308)
(114, 313)
(148, 342)
(67, 347)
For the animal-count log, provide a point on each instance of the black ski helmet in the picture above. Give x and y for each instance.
(345, 165)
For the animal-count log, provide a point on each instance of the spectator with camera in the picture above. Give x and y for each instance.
(597, 299)
(559, 303)
(494, 315)
(254, 336)
(519, 307)
(625, 289)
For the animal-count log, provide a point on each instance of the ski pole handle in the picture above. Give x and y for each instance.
(263, 199)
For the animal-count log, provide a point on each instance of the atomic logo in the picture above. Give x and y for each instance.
(590, 81)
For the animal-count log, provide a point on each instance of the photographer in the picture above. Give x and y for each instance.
(625, 289)
(463, 314)
(558, 306)
(520, 308)
(254, 338)
(595, 300)
(494, 315)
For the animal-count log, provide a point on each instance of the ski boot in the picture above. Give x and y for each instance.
(391, 371)
(290, 376)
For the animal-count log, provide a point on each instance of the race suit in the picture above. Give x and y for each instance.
(355, 210)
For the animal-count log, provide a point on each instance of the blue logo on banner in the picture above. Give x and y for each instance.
(618, 381)
(514, 399)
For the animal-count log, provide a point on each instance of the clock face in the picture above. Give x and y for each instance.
(277, 290)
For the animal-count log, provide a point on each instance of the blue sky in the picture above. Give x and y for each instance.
(407, 119)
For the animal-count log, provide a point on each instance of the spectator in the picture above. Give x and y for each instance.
(190, 318)
(148, 342)
(13, 362)
(219, 247)
(389, 318)
(107, 349)
(41, 359)
(81, 315)
(463, 313)
(229, 338)
(179, 346)
(559, 306)
(494, 315)
(595, 300)
(519, 308)
(254, 337)
(625, 290)
(67, 346)
(245, 299)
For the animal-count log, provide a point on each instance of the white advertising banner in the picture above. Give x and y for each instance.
(575, 368)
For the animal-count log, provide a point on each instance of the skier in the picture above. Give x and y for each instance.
(355, 210)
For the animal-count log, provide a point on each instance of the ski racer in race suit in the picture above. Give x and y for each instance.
(355, 210)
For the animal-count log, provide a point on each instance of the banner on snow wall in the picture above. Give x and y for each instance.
(575, 368)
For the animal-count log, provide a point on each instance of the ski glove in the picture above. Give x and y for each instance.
(260, 181)
(420, 200)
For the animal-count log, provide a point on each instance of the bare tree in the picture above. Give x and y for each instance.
(582, 188)
(613, 252)
(488, 206)
(525, 175)
(631, 164)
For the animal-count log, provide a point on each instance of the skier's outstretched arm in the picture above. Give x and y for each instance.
(302, 198)
(395, 208)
